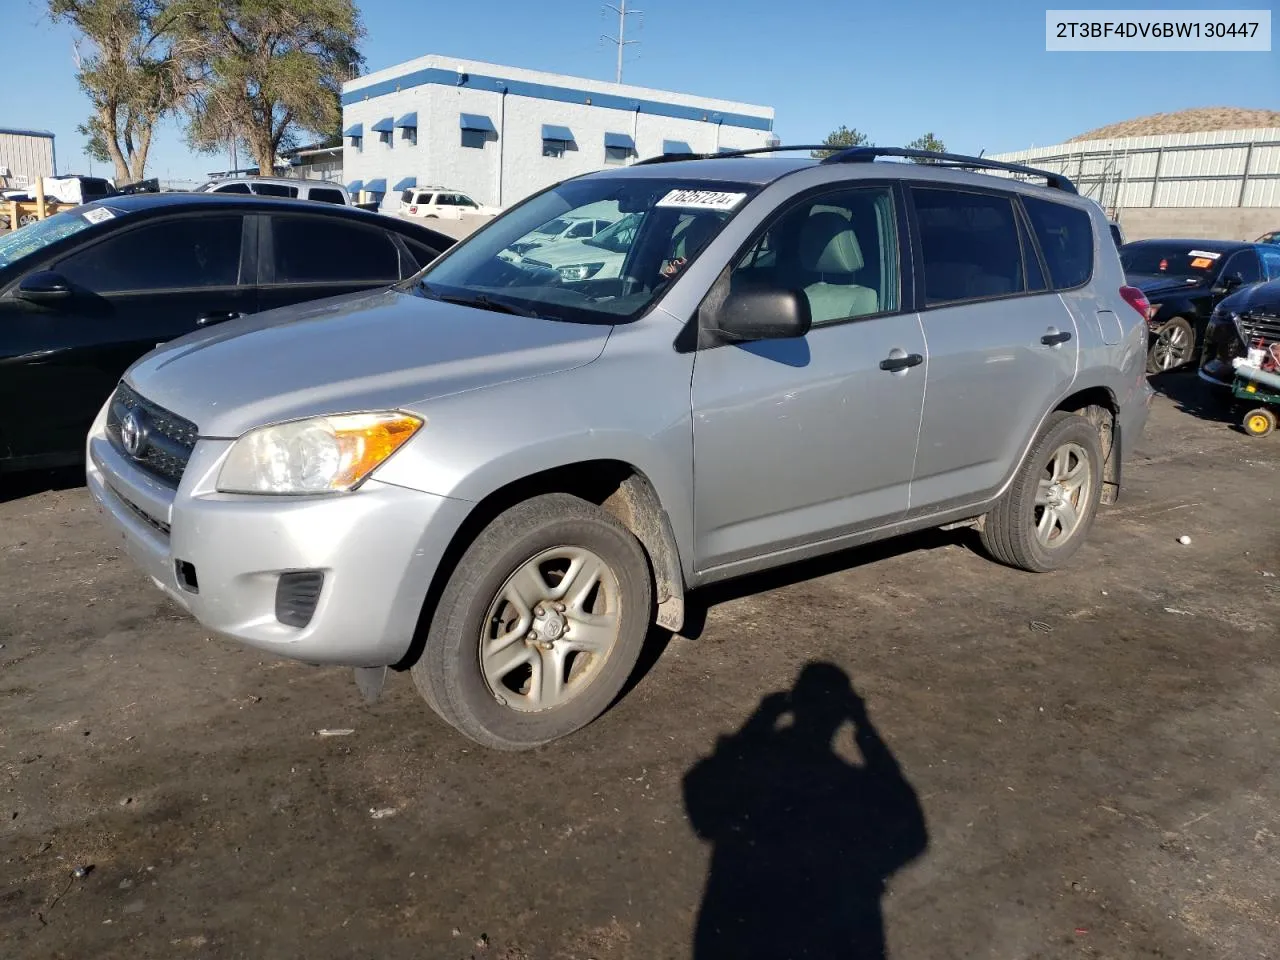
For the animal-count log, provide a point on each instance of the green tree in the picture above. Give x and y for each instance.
(130, 75)
(842, 139)
(927, 142)
(266, 70)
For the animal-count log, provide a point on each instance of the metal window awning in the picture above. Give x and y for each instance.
(676, 146)
(622, 141)
(551, 131)
(385, 125)
(405, 183)
(376, 186)
(354, 186)
(355, 130)
(476, 121)
(409, 120)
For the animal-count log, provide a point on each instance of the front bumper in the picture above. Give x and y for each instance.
(377, 548)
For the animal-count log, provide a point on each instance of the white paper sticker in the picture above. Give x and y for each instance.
(98, 215)
(701, 200)
(1204, 253)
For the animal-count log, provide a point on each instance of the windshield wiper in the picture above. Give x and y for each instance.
(481, 302)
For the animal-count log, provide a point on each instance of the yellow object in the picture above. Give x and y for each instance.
(367, 439)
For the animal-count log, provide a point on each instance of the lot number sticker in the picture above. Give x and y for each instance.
(98, 215)
(1206, 254)
(701, 200)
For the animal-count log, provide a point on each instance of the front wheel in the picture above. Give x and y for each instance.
(539, 626)
(1259, 423)
(1173, 346)
(1045, 515)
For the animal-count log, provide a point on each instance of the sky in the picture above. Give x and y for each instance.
(976, 75)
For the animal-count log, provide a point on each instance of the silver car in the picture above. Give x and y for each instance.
(500, 480)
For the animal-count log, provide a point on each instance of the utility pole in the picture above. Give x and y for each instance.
(621, 41)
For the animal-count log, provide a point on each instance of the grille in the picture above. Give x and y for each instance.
(297, 594)
(158, 525)
(166, 439)
(1266, 326)
(536, 263)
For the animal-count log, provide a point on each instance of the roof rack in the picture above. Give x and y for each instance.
(867, 154)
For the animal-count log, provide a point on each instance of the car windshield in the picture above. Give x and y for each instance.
(1176, 261)
(36, 236)
(553, 228)
(662, 224)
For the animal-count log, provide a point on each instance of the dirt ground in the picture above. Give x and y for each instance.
(1075, 765)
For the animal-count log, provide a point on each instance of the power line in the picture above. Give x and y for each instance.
(621, 41)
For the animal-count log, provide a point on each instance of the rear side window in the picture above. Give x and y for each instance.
(231, 188)
(320, 250)
(969, 243)
(274, 190)
(1271, 263)
(327, 195)
(1066, 240)
(421, 253)
(193, 251)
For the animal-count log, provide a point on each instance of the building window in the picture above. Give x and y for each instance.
(617, 154)
(556, 140)
(410, 134)
(475, 138)
(553, 148)
(385, 138)
(357, 143)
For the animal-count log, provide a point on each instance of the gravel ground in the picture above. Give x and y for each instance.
(1074, 765)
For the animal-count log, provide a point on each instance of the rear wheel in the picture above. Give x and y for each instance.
(1259, 422)
(1045, 515)
(539, 626)
(1174, 346)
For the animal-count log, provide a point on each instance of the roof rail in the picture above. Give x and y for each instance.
(674, 157)
(868, 154)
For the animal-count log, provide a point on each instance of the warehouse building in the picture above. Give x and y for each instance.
(500, 133)
(25, 155)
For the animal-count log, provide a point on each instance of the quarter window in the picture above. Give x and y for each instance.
(840, 249)
(1066, 240)
(231, 188)
(969, 245)
(193, 251)
(322, 250)
(327, 195)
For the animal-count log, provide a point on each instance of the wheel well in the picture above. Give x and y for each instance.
(619, 488)
(1098, 405)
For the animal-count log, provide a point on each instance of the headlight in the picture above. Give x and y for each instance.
(579, 271)
(319, 455)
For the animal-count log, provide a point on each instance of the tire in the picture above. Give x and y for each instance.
(501, 693)
(1259, 422)
(1010, 531)
(1173, 346)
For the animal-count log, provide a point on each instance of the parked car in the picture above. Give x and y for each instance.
(1241, 320)
(1117, 232)
(559, 230)
(499, 479)
(440, 203)
(1185, 280)
(292, 188)
(86, 292)
(71, 189)
(1273, 237)
(597, 258)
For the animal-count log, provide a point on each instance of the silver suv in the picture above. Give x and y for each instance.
(499, 479)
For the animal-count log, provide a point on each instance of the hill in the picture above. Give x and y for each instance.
(1185, 121)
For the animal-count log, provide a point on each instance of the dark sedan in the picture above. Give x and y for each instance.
(88, 291)
(1248, 318)
(1185, 280)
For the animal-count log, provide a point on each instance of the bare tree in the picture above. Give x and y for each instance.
(267, 69)
(130, 75)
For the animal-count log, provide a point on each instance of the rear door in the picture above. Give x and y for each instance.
(1000, 351)
(310, 256)
(131, 290)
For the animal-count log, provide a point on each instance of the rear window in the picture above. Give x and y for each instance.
(274, 190)
(1066, 240)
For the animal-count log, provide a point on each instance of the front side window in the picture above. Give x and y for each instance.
(661, 226)
(231, 188)
(462, 201)
(325, 250)
(181, 253)
(840, 249)
(580, 230)
(1244, 265)
(1066, 240)
(969, 244)
(1271, 263)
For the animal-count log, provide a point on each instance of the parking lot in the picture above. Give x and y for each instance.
(1073, 765)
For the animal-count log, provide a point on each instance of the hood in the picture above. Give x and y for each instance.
(1157, 286)
(569, 252)
(369, 351)
(1260, 297)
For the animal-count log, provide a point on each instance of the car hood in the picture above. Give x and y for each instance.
(1156, 287)
(1260, 297)
(565, 253)
(372, 351)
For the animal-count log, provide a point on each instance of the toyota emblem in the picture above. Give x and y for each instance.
(131, 434)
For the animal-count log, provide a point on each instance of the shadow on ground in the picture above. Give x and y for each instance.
(1192, 395)
(803, 841)
(15, 486)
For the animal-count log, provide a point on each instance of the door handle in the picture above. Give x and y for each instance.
(1053, 337)
(206, 319)
(900, 363)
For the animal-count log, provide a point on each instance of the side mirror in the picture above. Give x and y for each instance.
(764, 315)
(45, 287)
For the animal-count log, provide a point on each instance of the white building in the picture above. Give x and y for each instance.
(500, 133)
(25, 155)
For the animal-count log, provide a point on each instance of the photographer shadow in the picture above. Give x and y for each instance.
(803, 841)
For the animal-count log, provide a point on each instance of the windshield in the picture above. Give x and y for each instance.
(36, 236)
(553, 228)
(661, 225)
(1175, 261)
